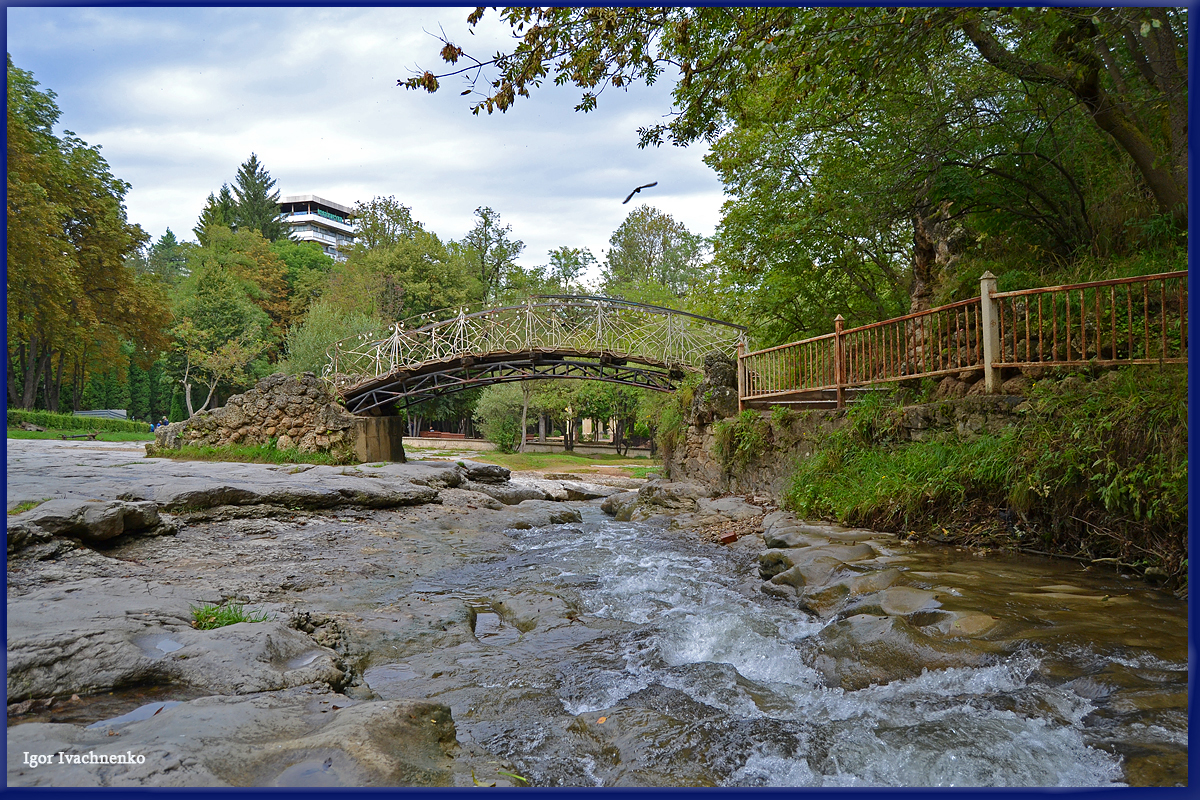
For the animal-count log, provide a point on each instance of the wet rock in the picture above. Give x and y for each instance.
(810, 577)
(727, 507)
(904, 600)
(534, 514)
(967, 624)
(511, 493)
(826, 601)
(665, 496)
(871, 582)
(773, 562)
(778, 518)
(620, 505)
(588, 491)
(865, 649)
(303, 738)
(789, 537)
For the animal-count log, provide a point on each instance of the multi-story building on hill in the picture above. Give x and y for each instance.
(315, 219)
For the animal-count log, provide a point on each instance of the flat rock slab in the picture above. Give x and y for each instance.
(99, 633)
(300, 738)
(41, 470)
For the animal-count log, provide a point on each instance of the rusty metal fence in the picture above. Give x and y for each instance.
(1126, 321)
(1141, 320)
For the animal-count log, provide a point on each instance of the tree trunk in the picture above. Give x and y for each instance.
(938, 242)
(542, 428)
(33, 371)
(53, 389)
(524, 413)
(77, 383)
(13, 397)
(1166, 180)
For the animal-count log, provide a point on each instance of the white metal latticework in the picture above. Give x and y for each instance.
(588, 326)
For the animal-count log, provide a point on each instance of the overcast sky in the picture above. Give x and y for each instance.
(178, 98)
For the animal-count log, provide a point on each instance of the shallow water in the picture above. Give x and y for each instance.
(668, 666)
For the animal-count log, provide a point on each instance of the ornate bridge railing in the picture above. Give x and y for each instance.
(1140, 320)
(417, 358)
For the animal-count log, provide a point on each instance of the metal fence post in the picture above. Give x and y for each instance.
(741, 375)
(990, 321)
(839, 364)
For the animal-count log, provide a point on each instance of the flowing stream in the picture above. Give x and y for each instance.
(620, 653)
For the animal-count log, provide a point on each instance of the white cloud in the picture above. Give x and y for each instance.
(180, 97)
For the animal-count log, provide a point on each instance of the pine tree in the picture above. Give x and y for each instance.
(219, 210)
(257, 206)
(168, 258)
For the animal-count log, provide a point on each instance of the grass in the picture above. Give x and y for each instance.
(1097, 469)
(543, 462)
(71, 422)
(21, 508)
(207, 617)
(102, 436)
(643, 472)
(247, 454)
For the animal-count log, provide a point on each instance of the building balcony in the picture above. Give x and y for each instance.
(311, 218)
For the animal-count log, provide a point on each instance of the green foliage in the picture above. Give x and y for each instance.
(783, 416)
(666, 414)
(307, 270)
(70, 422)
(307, 343)
(208, 616)
(1098, 468)
(231, 313)
(741, 439)
(398, 270)
(72, 295)
(560, 461)
(250, 205)
(871, 154)
(490, 252)
(653, 258)
(257, 206)
(499, 414)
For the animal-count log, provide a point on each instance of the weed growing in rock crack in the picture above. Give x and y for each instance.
(21, 508)
(207, 617)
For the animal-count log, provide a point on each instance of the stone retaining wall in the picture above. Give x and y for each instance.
(293, 411)
(958, 407)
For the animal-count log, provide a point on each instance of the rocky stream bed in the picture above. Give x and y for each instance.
(447, 623)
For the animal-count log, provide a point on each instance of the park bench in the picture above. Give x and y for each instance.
(91, 435)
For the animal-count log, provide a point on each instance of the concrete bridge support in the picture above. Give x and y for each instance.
(380, 439)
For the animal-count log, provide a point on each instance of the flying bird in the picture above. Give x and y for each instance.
(635, 191)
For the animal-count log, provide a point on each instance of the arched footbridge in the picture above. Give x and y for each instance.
(594, 338)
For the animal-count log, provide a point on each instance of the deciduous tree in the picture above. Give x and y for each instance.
(72, 298)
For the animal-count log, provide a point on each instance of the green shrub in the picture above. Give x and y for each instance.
(499, 415)
(70, 422)
(664, 416)
(739, 440)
